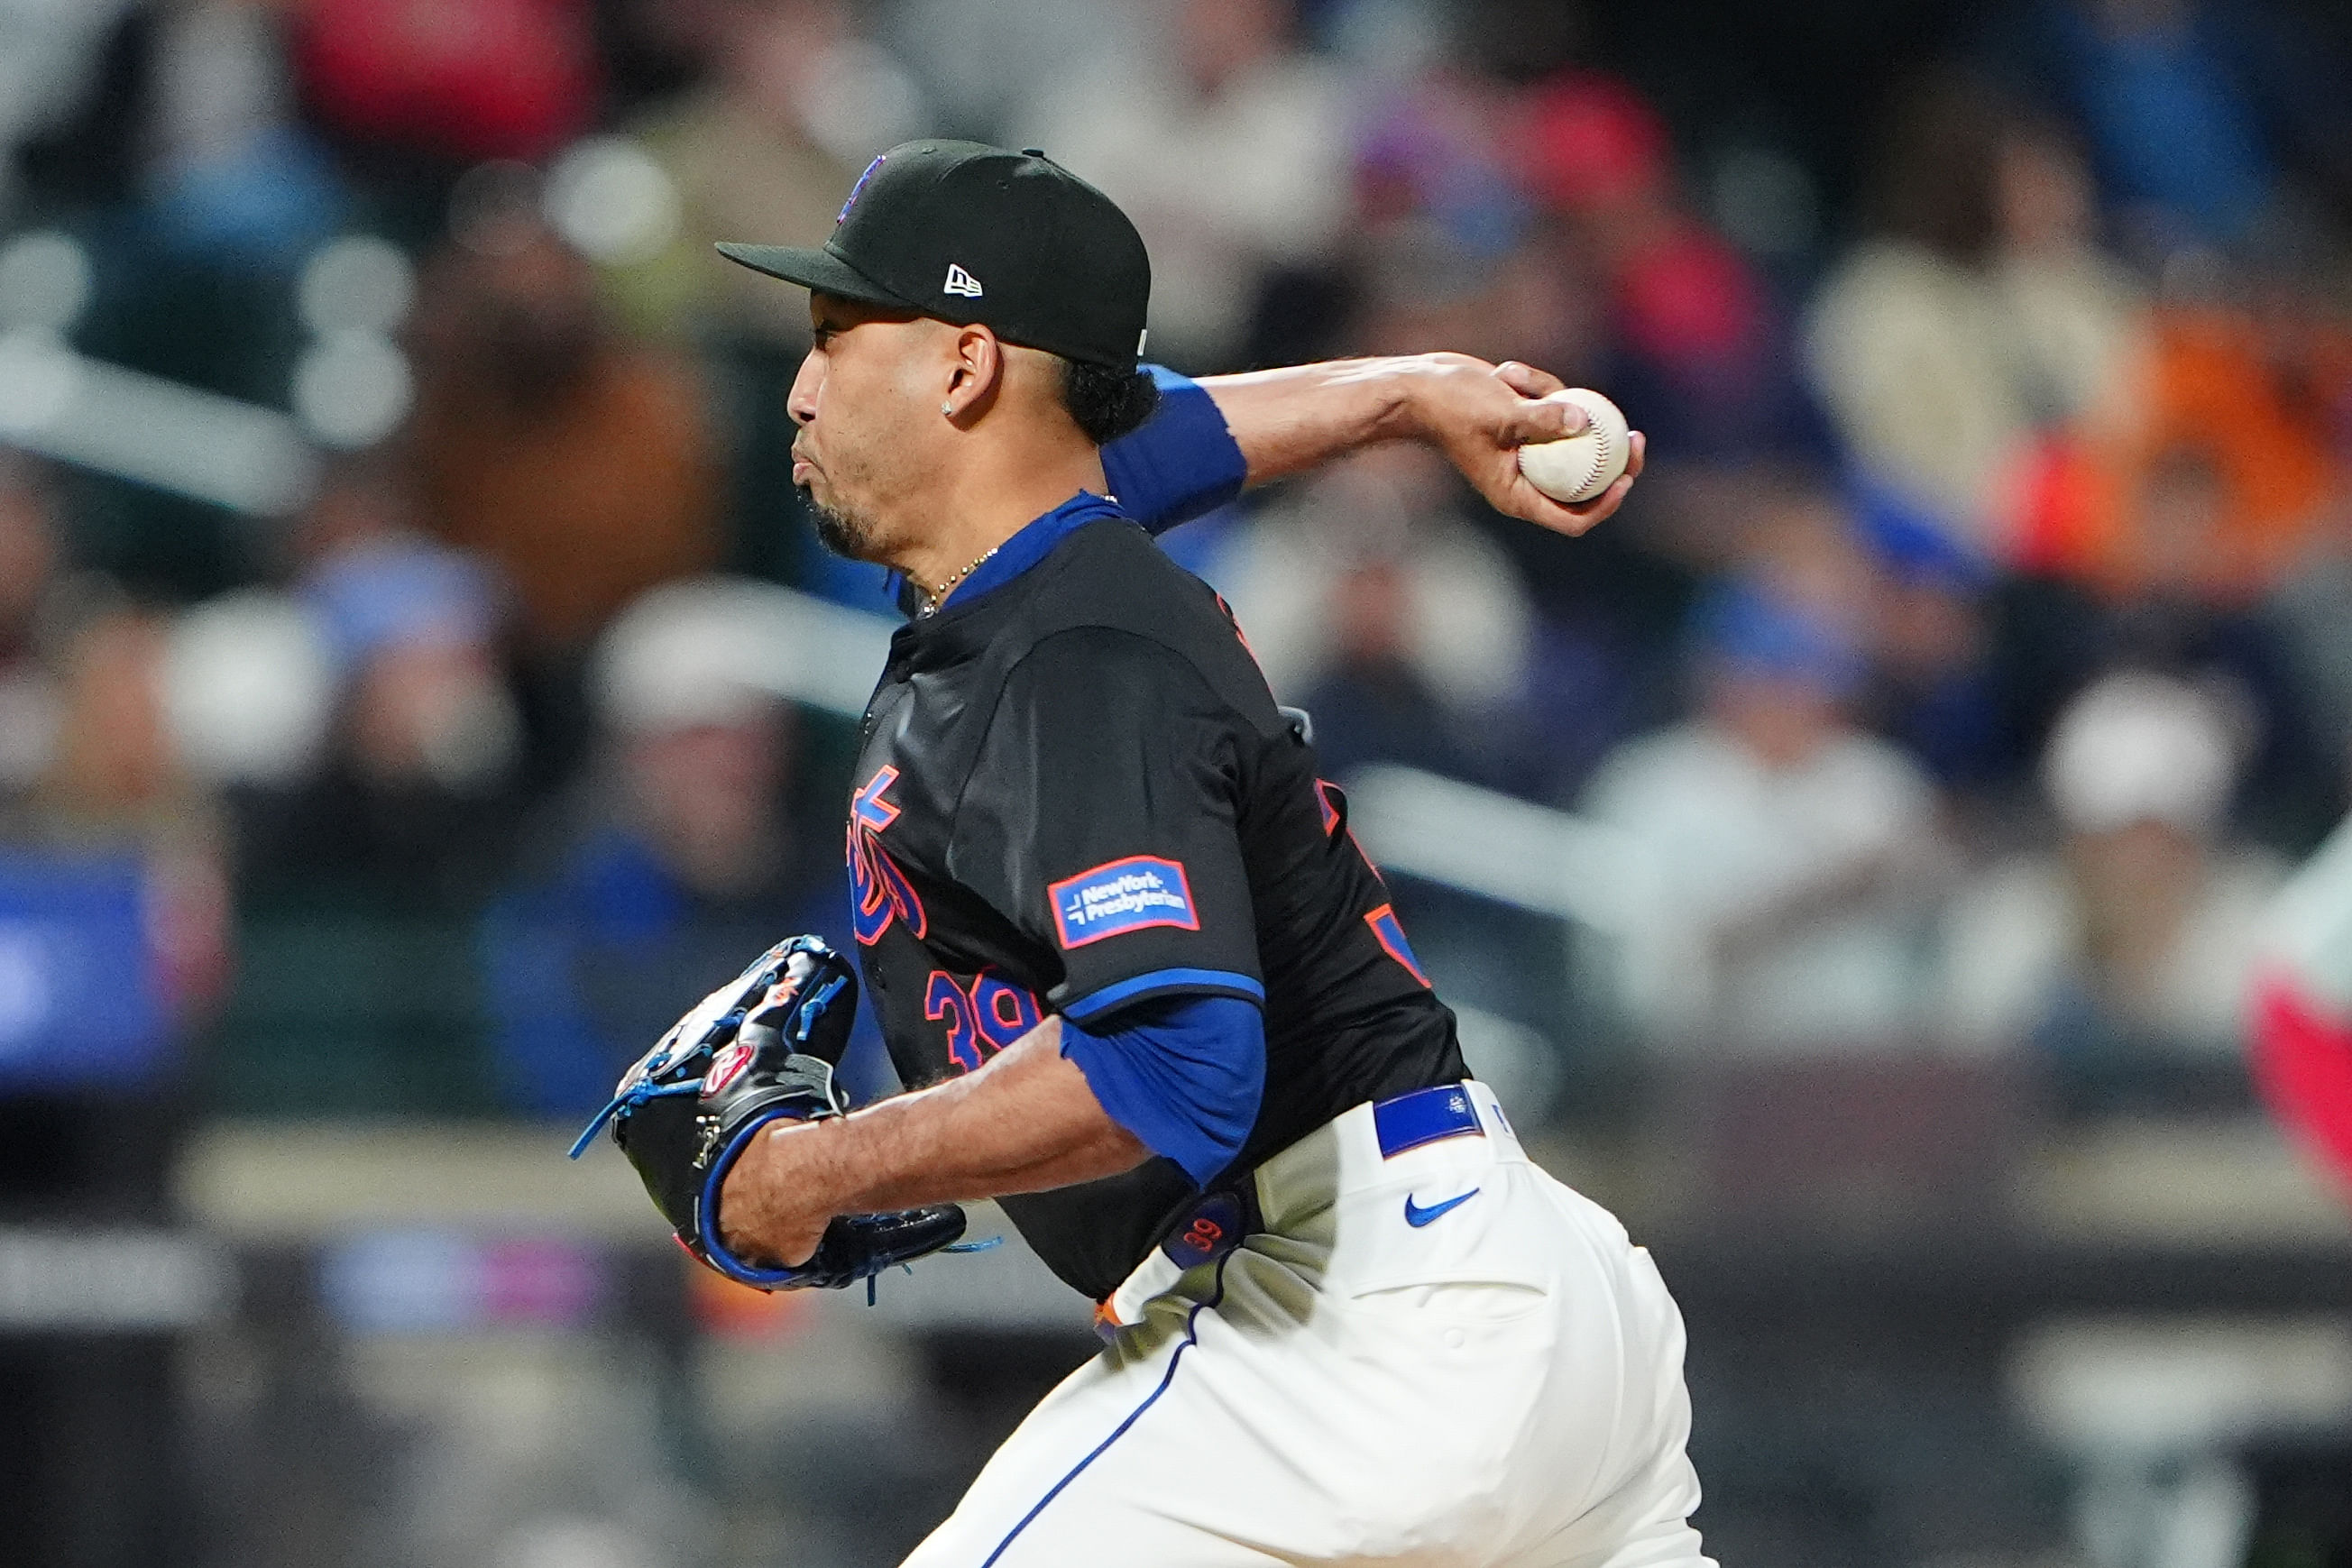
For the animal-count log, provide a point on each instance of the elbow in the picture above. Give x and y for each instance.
(1181, 1077)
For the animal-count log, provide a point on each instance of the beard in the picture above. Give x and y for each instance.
(843, 532)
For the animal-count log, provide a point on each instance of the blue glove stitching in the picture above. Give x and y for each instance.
(805, 1016)
(628, 1099)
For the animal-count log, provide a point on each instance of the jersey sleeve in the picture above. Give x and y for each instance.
(1099, 819)
(1181, 462)
(1183, 1074)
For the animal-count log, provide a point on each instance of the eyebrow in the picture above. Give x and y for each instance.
(840, 316)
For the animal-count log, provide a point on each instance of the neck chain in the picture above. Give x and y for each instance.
(934, 597)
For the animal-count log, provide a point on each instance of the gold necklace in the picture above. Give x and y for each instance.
(934, 596)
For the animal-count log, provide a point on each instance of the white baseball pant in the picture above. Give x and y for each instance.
(1442, 1358)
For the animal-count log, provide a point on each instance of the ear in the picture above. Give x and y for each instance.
(976, 374)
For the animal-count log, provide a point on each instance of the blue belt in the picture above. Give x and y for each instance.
(1216, 1224)
(1423, 1116)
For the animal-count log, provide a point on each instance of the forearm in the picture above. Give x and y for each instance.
(1289, 420)
(1026, 1122)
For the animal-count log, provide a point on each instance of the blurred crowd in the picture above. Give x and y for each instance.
(1969, 670)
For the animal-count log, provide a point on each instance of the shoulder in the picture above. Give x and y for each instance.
(1114, 623)
(1092, 688)
(1110, 576)
(1111, 566)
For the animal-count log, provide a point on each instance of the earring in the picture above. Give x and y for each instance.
(947, 406)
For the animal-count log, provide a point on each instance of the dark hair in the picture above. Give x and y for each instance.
(1107, 403)
(1938, 154)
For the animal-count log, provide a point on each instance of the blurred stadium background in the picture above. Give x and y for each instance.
(1872, 860)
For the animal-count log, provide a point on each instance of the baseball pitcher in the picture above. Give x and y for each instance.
(1143, 987)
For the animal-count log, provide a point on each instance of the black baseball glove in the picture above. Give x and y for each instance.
(762, 1046)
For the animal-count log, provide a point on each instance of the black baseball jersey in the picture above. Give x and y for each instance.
(1074, 793)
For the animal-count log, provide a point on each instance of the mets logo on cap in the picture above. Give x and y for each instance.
(852, 202)
(1119, 896)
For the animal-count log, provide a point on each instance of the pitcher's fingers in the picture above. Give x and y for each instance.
(1516, 497)
(1526, 379)
(1638, 455)
(1536, 420)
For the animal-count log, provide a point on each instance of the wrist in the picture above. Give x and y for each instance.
(791, 1162)
(1424, 385)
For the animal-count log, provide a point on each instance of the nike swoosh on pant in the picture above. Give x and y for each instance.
(1417, 1216)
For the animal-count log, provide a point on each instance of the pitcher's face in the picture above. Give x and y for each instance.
(866, 402)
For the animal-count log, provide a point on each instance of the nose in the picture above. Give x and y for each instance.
(801, 402)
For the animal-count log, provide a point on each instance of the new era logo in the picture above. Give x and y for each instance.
(961, 282)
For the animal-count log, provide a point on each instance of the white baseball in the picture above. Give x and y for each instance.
(1578, 467)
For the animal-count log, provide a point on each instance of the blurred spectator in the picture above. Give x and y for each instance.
(458, 81)
(1978, 309)
(1424, 289)
(2155, 497)
(578, 462)
(1792, 851)
(113, 774)
(115, 787)
(249, 683)
(961, 51)
(2073, 309)
(215, 193)
(682, 862)
(1934, 687)
(28, 567)
(1701, 349)
(231, 176)
(2199, 541)
(414, 801)
(1433, 152)
(795, 103)
(1450, 256)
(1370, 602)
(2201, 117)
(2125, 956)
(1228, 148)
(2173, 127)
(49, 55)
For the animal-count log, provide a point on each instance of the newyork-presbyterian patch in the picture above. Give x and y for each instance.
(1119, 896)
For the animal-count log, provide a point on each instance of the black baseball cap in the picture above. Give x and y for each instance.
(970, 233)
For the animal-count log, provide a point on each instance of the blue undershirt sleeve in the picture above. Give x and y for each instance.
(1182, 462)
(1182, 1074)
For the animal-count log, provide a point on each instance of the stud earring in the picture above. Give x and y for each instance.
(947, 406)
